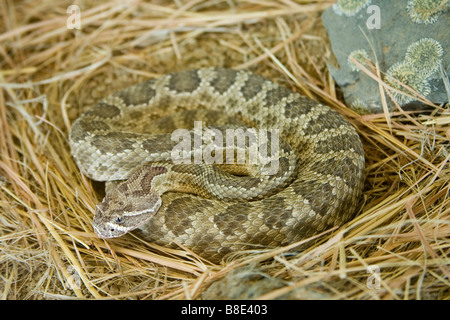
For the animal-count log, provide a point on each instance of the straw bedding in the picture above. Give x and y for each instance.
(396, 247)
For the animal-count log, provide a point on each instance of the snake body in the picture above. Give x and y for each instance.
(127, 137)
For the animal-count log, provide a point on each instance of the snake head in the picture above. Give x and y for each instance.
(124, 209)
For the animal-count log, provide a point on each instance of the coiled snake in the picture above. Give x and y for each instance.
(129, 136)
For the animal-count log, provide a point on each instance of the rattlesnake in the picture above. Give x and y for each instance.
(120, 136)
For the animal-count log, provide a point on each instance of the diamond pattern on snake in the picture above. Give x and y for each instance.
(217, 208)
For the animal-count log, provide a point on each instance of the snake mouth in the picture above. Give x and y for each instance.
(100, 232)
(108, 230)
(104, 226)
(120, 222)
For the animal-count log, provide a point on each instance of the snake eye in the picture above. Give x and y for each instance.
(119, 220)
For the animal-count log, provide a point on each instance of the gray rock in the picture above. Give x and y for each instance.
(251, 282)
(410, 44)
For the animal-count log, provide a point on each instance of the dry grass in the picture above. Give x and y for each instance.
(49, 74)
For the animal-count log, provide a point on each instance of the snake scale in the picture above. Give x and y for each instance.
(126, 137)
